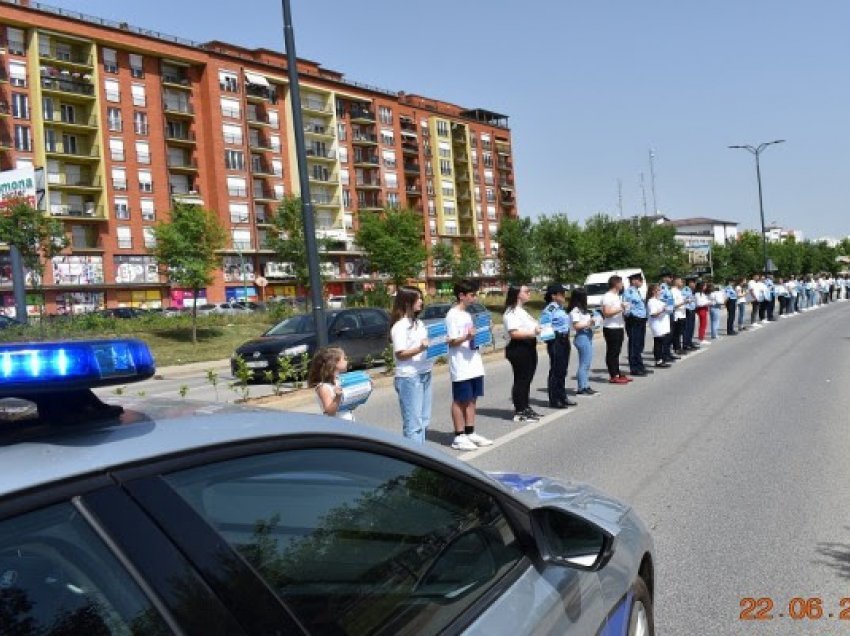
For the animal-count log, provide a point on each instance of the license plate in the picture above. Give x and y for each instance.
(257, 364)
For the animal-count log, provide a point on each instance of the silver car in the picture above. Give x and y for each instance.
(159, 517)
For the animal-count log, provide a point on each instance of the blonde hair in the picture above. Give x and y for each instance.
(323, 365)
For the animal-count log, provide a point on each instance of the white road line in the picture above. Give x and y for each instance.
(516, 433)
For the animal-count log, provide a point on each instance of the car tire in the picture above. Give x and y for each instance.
(641, 618)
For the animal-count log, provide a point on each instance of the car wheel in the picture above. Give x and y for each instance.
(641, 620)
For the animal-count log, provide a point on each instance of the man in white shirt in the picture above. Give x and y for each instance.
(679, 315)
(466, 369)
(614, 329)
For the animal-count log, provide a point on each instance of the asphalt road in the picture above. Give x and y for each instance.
(737, 458)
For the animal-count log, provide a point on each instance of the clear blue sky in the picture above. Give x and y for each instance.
(591, 86)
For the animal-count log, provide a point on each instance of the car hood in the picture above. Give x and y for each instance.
(582, 499)
(275, 344)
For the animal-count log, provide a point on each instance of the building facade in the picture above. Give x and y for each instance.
(124, 122)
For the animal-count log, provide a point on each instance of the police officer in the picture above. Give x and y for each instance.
(690, 315)
(769, 297)
(559, 347)
(731, 306)
(667, 299)
(635, 323)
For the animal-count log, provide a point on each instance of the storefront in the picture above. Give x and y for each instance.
(181, 298)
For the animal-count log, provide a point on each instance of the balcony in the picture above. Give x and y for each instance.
(79, 153)
(368, 184)
(178, 136)
(412, 168)
(70, 88)
(410, 147)
(63, 120)
(86, 243)
(371, 203)
(364, 139)
(264, 194)
(265, 168)
(321, 154)
(237, 192)
(175, 77)
(188, 193)
(505, 164)
(5, 141)
(4, 109)
(324, 200)
(506, 182)
(323, 177)
(316, 130)
(261, 142)
(182, 164)
(413, 192)
(258, 118)
(254, 92)
(81, 182)
(178, 109)
(65, 57)
(316, 106)
(362, 115)
(80, 211)
(366, 160)
(507, 199)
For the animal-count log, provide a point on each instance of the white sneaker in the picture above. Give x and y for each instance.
(479, 440)
(462, 442)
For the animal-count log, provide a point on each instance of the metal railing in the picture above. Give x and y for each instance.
(67, 86)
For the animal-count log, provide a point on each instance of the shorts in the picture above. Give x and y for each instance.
(468, 390)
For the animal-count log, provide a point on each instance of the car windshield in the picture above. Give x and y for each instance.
(302, 323)
(596, 289)
(434, 311)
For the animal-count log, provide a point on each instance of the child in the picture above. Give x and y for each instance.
(325, 368)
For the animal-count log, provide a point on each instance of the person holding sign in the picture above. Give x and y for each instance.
(558, 347)
(324, 372)
(413, 367)
(522, 331)
(466, 369)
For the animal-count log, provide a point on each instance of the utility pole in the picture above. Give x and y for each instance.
(652, 180)
(643, 192)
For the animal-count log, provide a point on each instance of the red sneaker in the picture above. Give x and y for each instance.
(626, 378)
(618, 380)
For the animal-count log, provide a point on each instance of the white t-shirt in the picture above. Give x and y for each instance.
(464, 361)
(518, 318)
(742, 297)
(702, 300)
(679, 313)
(718, 298)
(579, 316)
(613, 301)
(408, 335)
(660, 324)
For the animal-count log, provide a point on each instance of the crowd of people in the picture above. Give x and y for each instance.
(681, 314)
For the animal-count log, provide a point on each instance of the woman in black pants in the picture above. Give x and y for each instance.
(521, 330)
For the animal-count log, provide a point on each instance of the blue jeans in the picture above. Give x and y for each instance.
(714, 314)
(742, 308)
(583, 342)
(414, 397)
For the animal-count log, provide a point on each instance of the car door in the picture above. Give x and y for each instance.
(346, 332)
(376, 332)
(360, 540)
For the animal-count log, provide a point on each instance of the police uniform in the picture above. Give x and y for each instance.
(667, 299)
(731, 305)
(769, 298)
(635, 325)
(558, 349)
(690, 317)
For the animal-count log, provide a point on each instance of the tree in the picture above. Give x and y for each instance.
(516, 250)
(187, 249)
(37, 237)
(392, 241)
(464, 263)
(557, 243)
(289, 241)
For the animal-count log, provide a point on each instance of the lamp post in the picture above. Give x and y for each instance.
(756, 152)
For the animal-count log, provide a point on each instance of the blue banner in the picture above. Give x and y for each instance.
(438, 340)
(356, 389)
(483, 330)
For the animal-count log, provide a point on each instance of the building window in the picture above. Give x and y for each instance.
(125, 237)
(122, 209)
(393, 199)
(145, 181)
(113, 118)
(139, 98)
(23, 138)
(385, 114)
(445, 167)
(228, 81)
(232, 134)
(116, 149)
(448, 189)
(140, 123)
(20, 106)
(113, 90)
(143, 152)
(137, 66)
(241, 239)
(15, 41)
(234, 159)
(149, 237)
(119, 179)
(487, 159)
(445, 150)
(340, 131)
(442, 128)
(18, 74)
(230, 108)
(343, 155)
(239, 213)
(346, 198)
(148, 211)
(236, 187)
(387, 137)
(110, 60)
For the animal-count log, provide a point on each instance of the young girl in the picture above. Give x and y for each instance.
(413, 368)
(325, 368)
(583, 341)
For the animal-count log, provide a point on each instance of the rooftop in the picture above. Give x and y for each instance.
(698, 220)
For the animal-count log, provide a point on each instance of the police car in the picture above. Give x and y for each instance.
(151, 517)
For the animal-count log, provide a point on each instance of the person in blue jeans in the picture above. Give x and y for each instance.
(413, 368)
(582, 322)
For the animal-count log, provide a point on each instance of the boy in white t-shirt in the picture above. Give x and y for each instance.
(466, 369)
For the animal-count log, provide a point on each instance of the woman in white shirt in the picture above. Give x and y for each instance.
(718, 299)
(659, 323)
(413, 368)
(703, 302)
(582, 322)
(521, 330)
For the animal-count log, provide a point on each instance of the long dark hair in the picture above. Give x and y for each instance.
(650, 291)
(578, 299)
(405, 299)
(512, 297)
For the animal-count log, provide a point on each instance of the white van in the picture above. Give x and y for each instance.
(597, 284)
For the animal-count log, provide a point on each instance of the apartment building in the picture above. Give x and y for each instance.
(125, 121)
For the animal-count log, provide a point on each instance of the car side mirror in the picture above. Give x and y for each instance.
(566, 539)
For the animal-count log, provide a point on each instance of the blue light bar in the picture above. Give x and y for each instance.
(41, 367)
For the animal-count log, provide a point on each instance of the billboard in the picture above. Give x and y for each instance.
(18, 184)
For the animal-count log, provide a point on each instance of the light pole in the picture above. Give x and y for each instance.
(756, 151)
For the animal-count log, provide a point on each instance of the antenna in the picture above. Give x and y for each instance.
(643, 192)
(620, 196)
(652, 180)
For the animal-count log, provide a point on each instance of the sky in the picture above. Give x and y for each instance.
(591, 86)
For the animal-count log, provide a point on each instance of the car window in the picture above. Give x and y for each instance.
(57, 577)
(434, 311)
(596, 289)
(372, 318)
(355, 542)
(477, 308)
(347, 320)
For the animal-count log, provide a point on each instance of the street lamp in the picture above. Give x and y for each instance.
(756, 151)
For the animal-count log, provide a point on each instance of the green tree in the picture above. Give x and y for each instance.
(557, 243)
(516, 250)
(392, 241)
(187, 249)
(461, 264)
(288, 240)
(38, 237)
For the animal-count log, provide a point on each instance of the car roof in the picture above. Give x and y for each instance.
(153, 429)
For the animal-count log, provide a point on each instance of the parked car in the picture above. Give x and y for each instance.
(596, 284)
(231, 309)
(203, 310)
(336, 302)
(5, 321)
(124, 313)
(362, 332)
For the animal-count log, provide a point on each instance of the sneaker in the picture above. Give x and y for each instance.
(479, 440)
(588, 391)
(524, 417)
(530, 411)
(625, 377)
(618, 380)
(462, 442)
(662, 365)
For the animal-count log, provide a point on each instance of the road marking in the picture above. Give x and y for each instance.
(515, 434)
